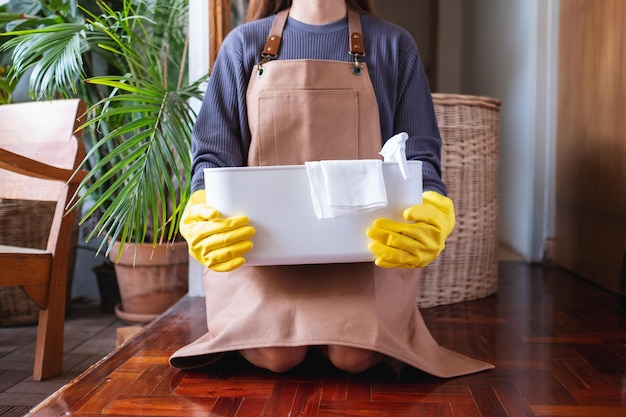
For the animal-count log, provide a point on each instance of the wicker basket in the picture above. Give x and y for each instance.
(27, 224)
(468, 267)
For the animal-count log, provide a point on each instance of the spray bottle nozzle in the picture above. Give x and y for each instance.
(394, 150)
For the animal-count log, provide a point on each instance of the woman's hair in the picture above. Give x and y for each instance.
(258, 9)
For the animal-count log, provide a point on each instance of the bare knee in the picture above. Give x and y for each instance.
(275, 359)
(353, 360)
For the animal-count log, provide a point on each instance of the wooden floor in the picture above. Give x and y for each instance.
(90, 334)
(558, 343)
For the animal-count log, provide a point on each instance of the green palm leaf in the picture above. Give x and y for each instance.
(139, 118)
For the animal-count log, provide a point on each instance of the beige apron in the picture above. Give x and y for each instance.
(304, 110)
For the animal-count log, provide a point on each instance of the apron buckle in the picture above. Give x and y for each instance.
(357, 50)
(357, 69)
(265, 59)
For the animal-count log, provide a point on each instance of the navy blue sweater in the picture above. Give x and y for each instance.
(221, 136)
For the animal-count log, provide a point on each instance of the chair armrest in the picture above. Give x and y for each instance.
(27, 166)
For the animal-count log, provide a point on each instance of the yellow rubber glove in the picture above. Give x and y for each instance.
(418, 243)
(215, 241)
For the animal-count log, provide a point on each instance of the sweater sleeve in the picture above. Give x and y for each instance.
(416, 114)
(221, 136)
(404, 97)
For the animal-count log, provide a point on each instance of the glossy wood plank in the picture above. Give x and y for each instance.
(591, 140)
(557, 343)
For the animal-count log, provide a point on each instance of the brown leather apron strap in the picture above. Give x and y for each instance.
(272, 44)
(356, 34)
(357, 49)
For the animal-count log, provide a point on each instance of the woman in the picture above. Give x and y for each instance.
(360, 80)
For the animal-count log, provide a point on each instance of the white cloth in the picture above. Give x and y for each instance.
(346, 187)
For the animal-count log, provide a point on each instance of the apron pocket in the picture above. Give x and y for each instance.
(316, 123)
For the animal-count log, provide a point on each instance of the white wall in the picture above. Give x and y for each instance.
(449, 46)
(198, 67)
(546, 126)
(507, 50)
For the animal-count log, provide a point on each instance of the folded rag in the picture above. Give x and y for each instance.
(346, 187)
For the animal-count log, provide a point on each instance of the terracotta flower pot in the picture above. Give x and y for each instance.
(150, 279)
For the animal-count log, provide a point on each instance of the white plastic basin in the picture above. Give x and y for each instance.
(277, 200)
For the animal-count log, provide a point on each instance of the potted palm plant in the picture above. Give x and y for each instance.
(7, 85)
(139, 122)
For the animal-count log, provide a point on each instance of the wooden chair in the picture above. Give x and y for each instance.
(39, 152)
